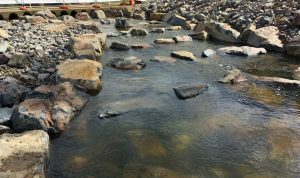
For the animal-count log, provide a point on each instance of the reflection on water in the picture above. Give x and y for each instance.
(249, 130)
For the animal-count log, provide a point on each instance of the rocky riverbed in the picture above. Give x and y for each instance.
(50, 67)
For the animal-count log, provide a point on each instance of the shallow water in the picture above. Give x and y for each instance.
(228, 131)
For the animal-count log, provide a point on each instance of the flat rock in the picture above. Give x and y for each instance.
(164, 59)
(141, 46)
(5, 115)
(189, 91)
(185, 55)
(129, 63)
(182, 39)
(208, 52)
(222, 31)
(85, 73)
(119, 46)
(158, 30)
(242, 51)
(24, 155)
(174, 28)
(164, 41)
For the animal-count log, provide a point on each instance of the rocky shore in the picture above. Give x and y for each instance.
(272, 24)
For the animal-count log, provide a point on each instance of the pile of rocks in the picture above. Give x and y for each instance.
(271, 24)
(48, 68)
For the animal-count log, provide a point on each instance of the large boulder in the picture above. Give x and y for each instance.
(88, 46)
(266, 37)
(98, 14)
(242, 51)
(85, 73)
(24, 155)
(12, 92)
(222, 31)
(189, 91)
(49, 108)
(293, 47)
(46, 14)
(129, 63)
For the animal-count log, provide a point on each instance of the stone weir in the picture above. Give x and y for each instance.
(48, 69)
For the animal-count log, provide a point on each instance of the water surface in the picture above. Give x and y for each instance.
(249, 130)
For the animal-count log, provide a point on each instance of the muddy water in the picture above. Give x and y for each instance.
(250, 130)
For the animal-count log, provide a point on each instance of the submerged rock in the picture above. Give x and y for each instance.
(232, 77)
(185, 55)
(189, 91)
(129, 63)
(146, 171)
(158, 30)
(164, 59)
(146, 143)
(109, 114)
(242, 51)
(85, 73)
(24, 155)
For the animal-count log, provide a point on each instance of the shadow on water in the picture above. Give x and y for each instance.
(249, 130)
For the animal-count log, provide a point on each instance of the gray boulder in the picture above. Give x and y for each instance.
(139, 32)
(119, 46)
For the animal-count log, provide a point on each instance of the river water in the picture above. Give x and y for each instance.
(231, 131)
